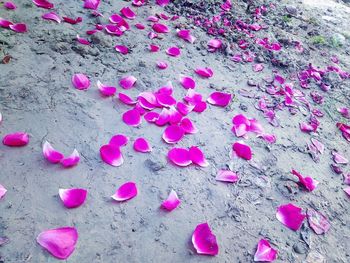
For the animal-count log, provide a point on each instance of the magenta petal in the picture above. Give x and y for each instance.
(5, 23)
(10, 5)
(214, 44)
(220, 99)
(171, 202)
(204, 72)
(188, 127)
(127, 82)
(19, 28)
(165, 100)
(51, 154)
(52, 16)
(138, 3)
(265, 252)
(2, 191)
(17, 139)
(83, 41)
(142, 145)
(126, 99)
(80, 81)
(180, 156)
(338, 158)
(111, 155)
(162, 65)
(125, 192)
(270, 138)
(162, 2)
(291, 216)
(309, 183)
(43, 4)
(128, 13)
(151, 116)
(227, 176)
(119, 140)
(173, 51)
(242, 150)
(197, 157)
(154, 48)
(183, 108)
(187, 82)
(106, 90)
(132, 117)
(347, 191)
(71, 160)
(60, 242)
(91, 4)
(204, 241)
(318, 222)
(160, 28)
(258, 67)
(72, 198)
(186, 35)
(122, 49)
(173, 134)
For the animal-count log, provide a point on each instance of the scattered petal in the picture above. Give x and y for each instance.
(52, 16)
(138, 3)
(160, 28)
(214, 44)
(318, 222)
(162, 2)
(205, 72)
(132, 117)
(151, 116)
(309, 183)
(173, 134)
(338, 158)
(71, 160)
(51, 154)
(173, 51)
(43, 4)
(188, 127)
(71, 20)
(291, 216)
(187, 82)
(258, 67)
(186, 35)
(162, 65)
(72, 198)
(265, 252)
(10, 5)
(17, 139)
(180, 157)
(106, 90)
(227, 176)
(242, 150)
(91, 4)
(219, 99)
(122, 49)
(171, 202)
(142, 145)
(347, 191)
(19, 28)
(154, 48)
(2, 191)
(111, 155)
(128, 13)
(204, 241)
(83, 41)
(197, 157)
(80, 81)
(127, 82)
(126, 99)
(119, 140)
(125, 192)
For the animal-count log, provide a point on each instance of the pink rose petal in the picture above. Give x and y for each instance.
(204, 241)
(43, 4)
(132, 118)
(2, 191)
(219, 99)
(83, 41)
(188, 127)
(165, 100)
(51, 154)
(242, 150)
(307, 182)
(127, 82)
(162, 2)
(183, 108)
(187, 82)
(121, 49)
(5, 23)
(17, 139)
(52, 16)
(72, 198)
(171, 202)
(345, 129)
(106, 90)
(291, 216)
(91, 4)
(338, 158)
(264, 252)
(162, 65)
(119, 140)
(345, 112)
(111, 155)
(318, 222)
(186, 35)
(151, 116)
(258, 67)
(197, 157)
(71, 20)
(270, 138)
(142, 145)
(128, 13)
(10, 5)
(214, 44)
(205, 72)
(173, 51)
(154, 48)
(160, 28)
(126, 99)
(347, 191)
(227, 176)
(19, 28)
(71, 160)
(80, 81)
(125, 192)
(173, 134)
(138, 3)
(180, 157)
(60, 242)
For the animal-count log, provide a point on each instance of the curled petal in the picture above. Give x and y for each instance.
(205, 72)
(125, 192)
(126, 99)
(71, 20)
(242, 150)
(132, 117)
(160, 28)
(2, 191)
(183, 108)
(119, 140)
(128, 13)
(173, 51)
(200, 106)
(338, 158)
(71, 160)
(127, 82)
(162, 65)
(187, 82)
(345, 129)
(180, 157)
(188, 127)
(318, 222)
(80, 81)
(106, 90)
(60, 242)
(186, 35)
(197, 157)
(214, 44)
(19, 28)
(291, 216)
(83, 41)
(204, 241)
(162, 2)
(43, 4)
(307, 182)
(265, 252)
(72, 198)
(17, 139)
(10, 5)
(5, 23)
(51, 154)
(91, 4)
(52, 16)
(111, 155)
(220, 99)
(154, 48)
(142, 145)
(138, 3)
(173, 134)
(227, 176)
(151, 116)
(270, 138)
(171, 202)
(121, 49)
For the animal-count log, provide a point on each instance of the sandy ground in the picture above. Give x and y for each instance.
(36, 96)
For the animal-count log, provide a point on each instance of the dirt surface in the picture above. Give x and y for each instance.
(36, 96)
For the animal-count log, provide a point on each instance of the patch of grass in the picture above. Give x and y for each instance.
(286, 19)
(335, 42)
(318, 40)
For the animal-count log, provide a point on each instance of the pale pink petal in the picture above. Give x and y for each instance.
(71, 160)
(142, 145)
(188, 127)
(132, 117)
(2, 191)
(125, 192)
(119, 140)
(214, 44)
(162, 65)
(338, 158)
(151, 116)
(19, 28)
(60, 242)
(319, 146)
(186, 35)
(291, 216)
(43, 4)
(180, 157)
(345, 112)
(91, 4)
(154, 48)
(106, 90)
(126, 99)
(173, 134)
(0, 117)
(122, 49)
(16, 139)
(10, 5)
(162, 2)
(255, 126)
(83, 41)
(127, 82)
(318, 222)
(80, 81)
(219, 99)
(205, 72)
(52, 16)
(173, 51)
(227, 176)
(264, 252)
(72, 198)
(187, 82)
(347, 191)
(242, 150)
(307, 182)
(160, 28)
(128, 13)
(138, 2)
(51, 154)
(197, 157)
(258, 67)
(111, 155)
(171, 202)
(204, 241)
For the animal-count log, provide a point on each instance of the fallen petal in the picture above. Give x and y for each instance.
(51, 154)
(128, 13)
(309, 183)
(71, 160)
(80, 81)
(142, 145)
(91, 4)
(162, 2)
(19, 28)
(106, 90)
(180, 156)
(204, 241)
(83, 41)
(132, 118)
(52, 16)
(154, 48)
(197, 157)
(171, 202)
(160, 28)
(188, 127)
(227, 176)
(205, 72)
(126, 99)
(162, 65)
(265, 252)
(187, 82)
(10, 5)
(186, 35)
(242, 150)
(173, 51)
(43, 4)
(111, 155)
(318, 222)
(72, 198)
(219, 99)
(173, 134)
(17, 139)
(122, 49)
(291, 216)
(125, 192)
(2, 191)
(119, 140)
(338, 158)
(127, 82)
